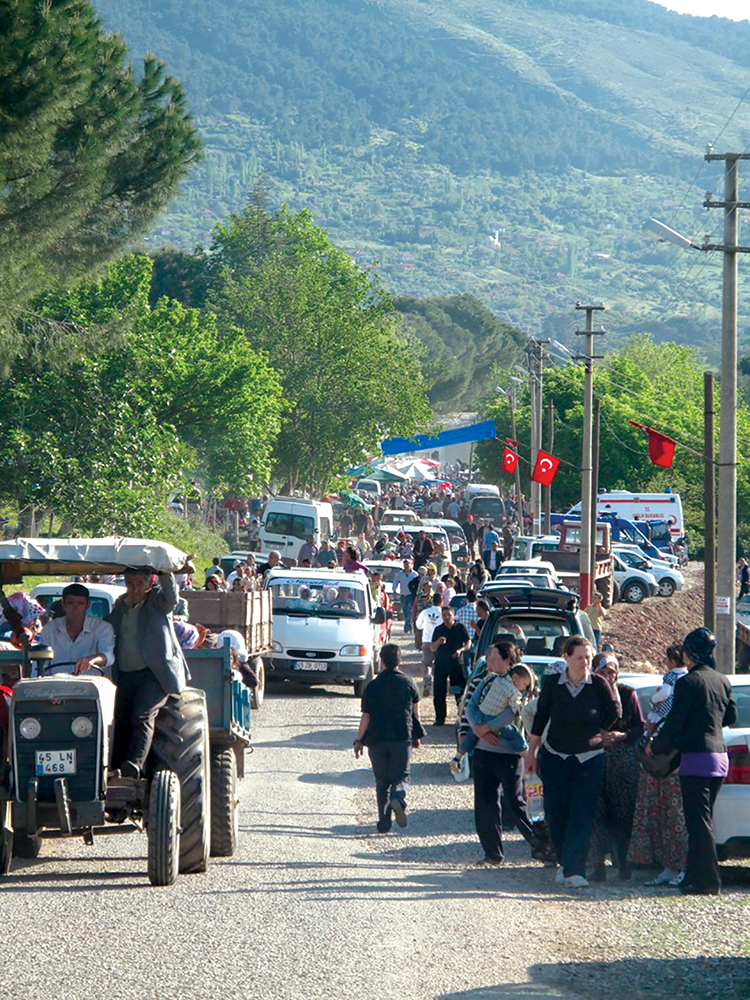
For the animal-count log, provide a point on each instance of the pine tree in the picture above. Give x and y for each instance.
(88, 153)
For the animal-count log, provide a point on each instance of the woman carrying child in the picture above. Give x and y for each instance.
(494, 716)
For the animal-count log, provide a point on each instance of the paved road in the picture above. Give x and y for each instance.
(315, 904)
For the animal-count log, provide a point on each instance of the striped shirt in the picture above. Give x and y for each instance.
(467, 615)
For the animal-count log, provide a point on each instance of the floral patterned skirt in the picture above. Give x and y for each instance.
(659, 835)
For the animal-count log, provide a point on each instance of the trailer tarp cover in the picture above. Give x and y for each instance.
(63, 556)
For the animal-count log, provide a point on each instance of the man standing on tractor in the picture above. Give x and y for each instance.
(149, 664)
(81, 642)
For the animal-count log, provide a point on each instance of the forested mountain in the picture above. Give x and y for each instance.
(511, 149)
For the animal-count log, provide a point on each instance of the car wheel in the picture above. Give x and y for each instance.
(633, 592)
(666, 587)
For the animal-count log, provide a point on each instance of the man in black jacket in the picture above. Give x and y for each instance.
(390, 727)
(702, 706)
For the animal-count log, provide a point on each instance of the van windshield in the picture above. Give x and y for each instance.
(318, 598)
(488, 507)
(281, 523)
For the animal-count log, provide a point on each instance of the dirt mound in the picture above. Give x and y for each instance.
(640, 633)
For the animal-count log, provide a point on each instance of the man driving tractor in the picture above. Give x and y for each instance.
(81, 643)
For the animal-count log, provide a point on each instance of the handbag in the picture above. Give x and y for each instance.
(657, 765)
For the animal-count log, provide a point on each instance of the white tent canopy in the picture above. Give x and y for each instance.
(63, 556)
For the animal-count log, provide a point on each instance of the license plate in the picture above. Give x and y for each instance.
(55, 762)
(310, 665)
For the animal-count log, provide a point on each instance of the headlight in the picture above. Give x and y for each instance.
(82, 727)
(30, 728)
(353, 651)
(277, 647)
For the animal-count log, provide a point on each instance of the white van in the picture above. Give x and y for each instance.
(288, 522)
(642, 507)
(480, 490)
(369, 486)
(326, 629)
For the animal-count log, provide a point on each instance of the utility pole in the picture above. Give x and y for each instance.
(584, 587)
(709, 500)
(595, 483)
(536, 367)
(550, 447)
(726, 554)
(512, 408)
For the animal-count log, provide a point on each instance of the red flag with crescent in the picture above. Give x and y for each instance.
(510, 461)
(545, 467)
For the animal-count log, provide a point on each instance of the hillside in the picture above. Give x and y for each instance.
(509, 149)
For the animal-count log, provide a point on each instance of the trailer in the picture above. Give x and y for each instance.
(249, 613)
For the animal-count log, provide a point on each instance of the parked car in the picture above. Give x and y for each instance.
(531, 567)
(387, 569)
(326, 628)
(732, 809)
(668, 580)
(633, 585)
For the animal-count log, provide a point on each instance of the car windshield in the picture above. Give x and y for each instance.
(98, 606)
(398, 517)
(540, 631)
(318, 598)
(388, 572)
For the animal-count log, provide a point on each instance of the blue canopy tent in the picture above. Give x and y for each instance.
(458, 435)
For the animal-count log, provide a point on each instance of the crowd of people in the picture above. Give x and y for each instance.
(640, 790)
(616, 784)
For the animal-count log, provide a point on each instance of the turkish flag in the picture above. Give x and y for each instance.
(510, 461)
(660, 447)
(545, 468)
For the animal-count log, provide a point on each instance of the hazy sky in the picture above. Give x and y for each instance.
(738, 10)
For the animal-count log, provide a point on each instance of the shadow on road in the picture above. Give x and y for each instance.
(725, 977)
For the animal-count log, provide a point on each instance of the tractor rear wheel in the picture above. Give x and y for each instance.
(258, 693)
(224, 804)
(163, 828)
(181, 745)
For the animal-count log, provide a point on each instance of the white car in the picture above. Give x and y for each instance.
(102, 596)
(668, 580)
(398, 517)
(633, 585)
(732, 809)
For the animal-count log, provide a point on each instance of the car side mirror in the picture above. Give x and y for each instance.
(379, 617)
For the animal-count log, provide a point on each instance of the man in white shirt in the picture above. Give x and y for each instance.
(82, 643)
(401, 585)
(428, 620)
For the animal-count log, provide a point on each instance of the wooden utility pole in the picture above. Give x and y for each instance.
(584, 586)
(512, 408)
(726, 535)
(595, 483)
(550, 447)
(709, 500)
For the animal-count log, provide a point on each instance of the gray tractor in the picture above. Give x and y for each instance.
(55, 775)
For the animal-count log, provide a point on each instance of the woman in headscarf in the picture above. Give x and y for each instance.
(703, 705)
(616, 806)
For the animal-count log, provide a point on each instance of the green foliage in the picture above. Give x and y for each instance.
(328, 329)
(191, 536)
(88, 155)
(462, 342)
(659, 385)
(413, 131)
(103, 436)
